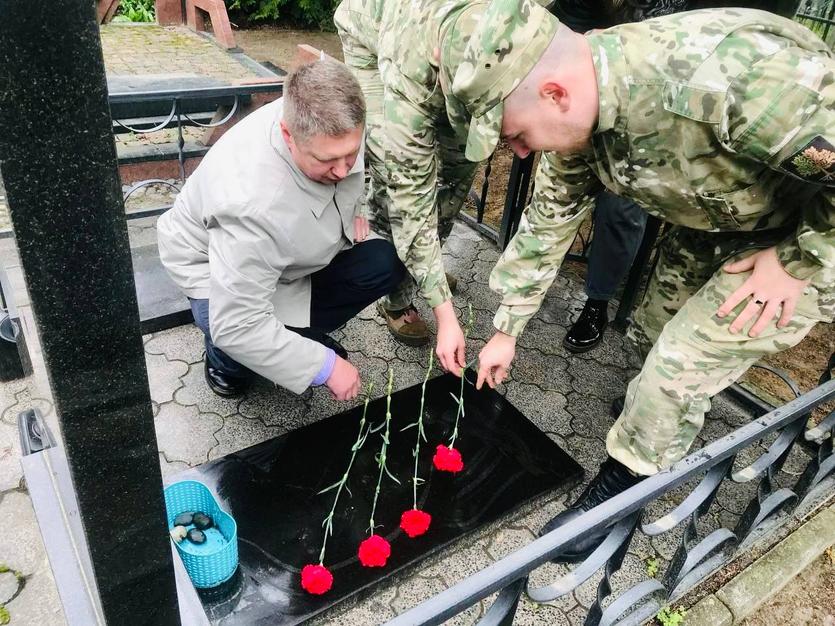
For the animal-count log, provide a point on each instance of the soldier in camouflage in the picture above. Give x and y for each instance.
(719, 122)
(404, 55)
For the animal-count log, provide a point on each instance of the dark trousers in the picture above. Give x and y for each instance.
(354, 279)
(618, 229)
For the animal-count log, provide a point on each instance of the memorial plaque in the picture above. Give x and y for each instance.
(271, 489)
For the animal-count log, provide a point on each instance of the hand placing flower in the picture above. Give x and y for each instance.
(448, 459)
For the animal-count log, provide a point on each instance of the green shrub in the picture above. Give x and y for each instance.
(309, 13)
(135, 11)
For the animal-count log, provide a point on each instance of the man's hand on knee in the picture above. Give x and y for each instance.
(769, 288)
(344, 381)
(361, 228)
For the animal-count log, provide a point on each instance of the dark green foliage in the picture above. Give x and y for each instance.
(135, 11)
(309, 13)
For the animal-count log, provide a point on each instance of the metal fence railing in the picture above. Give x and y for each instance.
(700, 552)
(151, 111)
(819, 17)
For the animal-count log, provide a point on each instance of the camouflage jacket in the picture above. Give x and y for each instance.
(716, 120)
(417, 101)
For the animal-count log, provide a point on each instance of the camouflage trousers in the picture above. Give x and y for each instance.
(690, 355)
(455, 172)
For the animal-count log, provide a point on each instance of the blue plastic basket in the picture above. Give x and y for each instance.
(214, 562)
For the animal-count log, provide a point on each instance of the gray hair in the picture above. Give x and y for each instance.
(322, 98)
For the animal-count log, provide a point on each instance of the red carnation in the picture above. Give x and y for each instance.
(415, 522)
(374, 551)
(316, 579)
(448, 459)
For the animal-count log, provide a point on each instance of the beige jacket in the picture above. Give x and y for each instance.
(247, 231)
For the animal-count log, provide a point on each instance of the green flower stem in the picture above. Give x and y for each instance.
(361, 437)
(381, 459)
(420, 433)
(460, 413)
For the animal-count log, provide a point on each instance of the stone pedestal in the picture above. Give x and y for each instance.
(59, 168)
(169, 12)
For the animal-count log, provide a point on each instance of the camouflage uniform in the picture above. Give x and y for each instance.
(721, 122)
(416, 132)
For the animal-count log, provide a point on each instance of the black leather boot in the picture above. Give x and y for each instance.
(587, 331)
(612, 479)
(223, 385)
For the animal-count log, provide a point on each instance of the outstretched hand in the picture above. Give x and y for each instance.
(451, 346)
(769, 288)
(494, 360)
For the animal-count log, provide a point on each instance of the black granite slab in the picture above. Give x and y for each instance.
(162, 304)
(271, 490)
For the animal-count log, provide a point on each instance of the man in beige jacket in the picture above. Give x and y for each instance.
(262, 239)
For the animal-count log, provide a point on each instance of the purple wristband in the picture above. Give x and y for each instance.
(325, 373)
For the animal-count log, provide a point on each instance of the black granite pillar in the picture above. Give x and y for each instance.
(59, 165)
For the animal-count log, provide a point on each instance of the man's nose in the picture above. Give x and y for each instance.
(519, 149)
(341, 169)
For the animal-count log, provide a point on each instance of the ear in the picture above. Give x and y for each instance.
(285, 133)
(556, 94)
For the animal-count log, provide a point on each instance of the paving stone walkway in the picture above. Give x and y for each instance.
(567, 397)
(150, 49)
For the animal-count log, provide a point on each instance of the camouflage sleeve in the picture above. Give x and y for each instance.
(563, 194)
(412, 168)
(790, 126)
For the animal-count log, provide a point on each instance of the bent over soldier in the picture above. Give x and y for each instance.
(404, 55)
(720, 122)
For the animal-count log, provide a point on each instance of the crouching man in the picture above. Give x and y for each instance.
(266, 242)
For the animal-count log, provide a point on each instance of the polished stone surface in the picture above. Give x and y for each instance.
(161, 303)
(272, 491)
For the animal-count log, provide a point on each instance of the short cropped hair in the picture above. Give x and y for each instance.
(322, 98)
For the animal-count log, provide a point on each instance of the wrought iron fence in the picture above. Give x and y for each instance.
(519, 192)
(185, 107)
(700, 552)
(818, 16)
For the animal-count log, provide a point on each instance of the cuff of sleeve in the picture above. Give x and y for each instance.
(511, 320)
(325, 373)
(438, 295)
(795, 262)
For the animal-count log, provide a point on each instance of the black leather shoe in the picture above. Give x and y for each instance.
(612, 479)
(323, 338)
(223, 385)
(587, 331)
